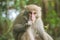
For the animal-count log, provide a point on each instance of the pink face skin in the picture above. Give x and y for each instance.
(32, 17)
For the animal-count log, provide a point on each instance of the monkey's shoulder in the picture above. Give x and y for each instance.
(19, 20)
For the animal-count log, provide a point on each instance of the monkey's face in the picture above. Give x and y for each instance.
(30, 16)
(32, 13)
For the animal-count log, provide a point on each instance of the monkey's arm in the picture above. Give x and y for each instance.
(42, 33)
(41, 30)
(19, 29)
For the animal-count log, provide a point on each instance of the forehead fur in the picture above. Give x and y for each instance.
(33, 7)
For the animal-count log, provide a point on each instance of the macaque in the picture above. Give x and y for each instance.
(29, 21)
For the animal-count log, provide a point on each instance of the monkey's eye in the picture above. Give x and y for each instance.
(34, 12)
(30, 12)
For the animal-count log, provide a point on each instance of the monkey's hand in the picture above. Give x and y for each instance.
(29, 23)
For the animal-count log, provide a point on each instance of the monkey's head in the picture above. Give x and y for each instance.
(32, 13)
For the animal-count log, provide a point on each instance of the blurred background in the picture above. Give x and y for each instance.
(9, 9)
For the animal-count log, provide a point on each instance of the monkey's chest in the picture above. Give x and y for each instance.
(35, 32)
